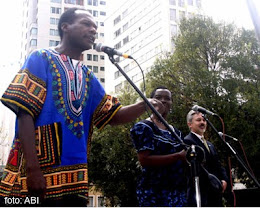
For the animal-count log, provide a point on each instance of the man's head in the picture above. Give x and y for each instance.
(165, 96)
(196, 122)
(77, 28)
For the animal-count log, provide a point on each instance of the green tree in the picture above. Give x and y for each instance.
(113, 165)
(215, 65)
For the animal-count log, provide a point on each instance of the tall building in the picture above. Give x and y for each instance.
(40, 28)
(144, 30)
(7, 117)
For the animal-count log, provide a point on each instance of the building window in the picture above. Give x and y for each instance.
(54, 32)
(33, 42)
(181, 3)
(89, 57)
(89, 2)
(118, 45)
(117, 19)
(54, 21)
(127, 68)
(102, 3)
(103, 13)
(95, 2)
(56, 1)
(95, 57)
(55, 10)
(125, 26)
(89, 10)
(34, 31)
(190, 2)
(124, 13)
(100, 201)
(134, 78)
(102, 35)
(126, 40)
(75, 2)
(117, 33)
(89, 67)
(90, 201)
(95, 69)
(133, 49)
(102, 68)
(117, 74)
(102, 80)
(173, 14)
(95, 13)
(198, 2)
(118, 87)
(102, 57)
(173, 30)
(101, 23)
(53, 43)
(172, 2)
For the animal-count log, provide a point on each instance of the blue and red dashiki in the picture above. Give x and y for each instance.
(65, 100)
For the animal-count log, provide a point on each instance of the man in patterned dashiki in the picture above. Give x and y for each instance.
(57, 101)
(162, 182)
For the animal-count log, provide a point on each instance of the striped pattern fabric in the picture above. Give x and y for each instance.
(27, 92)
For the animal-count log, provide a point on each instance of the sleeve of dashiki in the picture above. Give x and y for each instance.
(106, 110)
(27, 91)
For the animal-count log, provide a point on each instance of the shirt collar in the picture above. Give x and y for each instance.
(199, 136)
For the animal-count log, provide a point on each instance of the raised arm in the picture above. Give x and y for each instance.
(129, 113)
(147, 160)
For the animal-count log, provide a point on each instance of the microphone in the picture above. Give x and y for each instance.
(110, 51)
(225, 135)
(202, 110)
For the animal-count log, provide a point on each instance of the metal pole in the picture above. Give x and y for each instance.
(255, 17)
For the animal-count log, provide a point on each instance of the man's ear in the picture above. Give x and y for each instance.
(189, 124)
(64, 27)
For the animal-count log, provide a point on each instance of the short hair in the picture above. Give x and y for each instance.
(190, 115)
(68, 16)
(157, 88)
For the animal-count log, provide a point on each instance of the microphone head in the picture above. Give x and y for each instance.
(220, 134)
(197, 153)
(195, 108)
(98, 47)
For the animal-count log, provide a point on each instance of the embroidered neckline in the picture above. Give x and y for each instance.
(67, 102)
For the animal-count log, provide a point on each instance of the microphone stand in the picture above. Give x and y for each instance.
(233, 152)
(194, 165)
(195, 174)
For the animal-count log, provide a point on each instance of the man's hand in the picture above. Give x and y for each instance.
(182, 155)
(224, 185)
(36, 183)
(157, 104)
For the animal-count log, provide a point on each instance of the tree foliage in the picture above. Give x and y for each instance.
(113, 165)
(215, 66)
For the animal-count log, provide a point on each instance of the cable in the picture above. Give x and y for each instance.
(144, 86)
(246, 158)
(229, 161)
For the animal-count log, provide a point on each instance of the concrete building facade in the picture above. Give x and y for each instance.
(144, 30)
